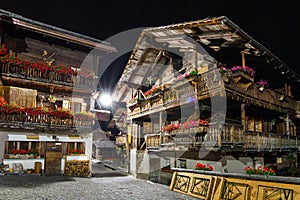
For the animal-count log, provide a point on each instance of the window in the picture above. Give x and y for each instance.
(22, 147)
(75, 148)
(75, 107)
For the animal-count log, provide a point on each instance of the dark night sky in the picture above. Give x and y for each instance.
(274, 25)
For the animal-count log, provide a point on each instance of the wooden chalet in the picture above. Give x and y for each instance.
(207, 92)
(48, 75)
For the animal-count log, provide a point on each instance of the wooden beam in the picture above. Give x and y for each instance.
(63, 36)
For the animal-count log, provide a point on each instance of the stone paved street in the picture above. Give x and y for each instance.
(60, 187)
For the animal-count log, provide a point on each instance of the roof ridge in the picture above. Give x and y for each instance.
(51, 27)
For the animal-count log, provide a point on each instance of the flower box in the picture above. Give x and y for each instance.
(205, 167)
(154, 95)
(242, 76)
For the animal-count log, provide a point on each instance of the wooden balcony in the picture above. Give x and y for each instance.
(266, 142)
(212, 83)
(228, 138)
(18, 76)
(43, 122)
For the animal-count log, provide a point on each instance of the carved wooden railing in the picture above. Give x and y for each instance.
(41, 121)
(49, 76)
(233, 136)
(269, 142)
(222, 136)
(213, 83)
(227, 136)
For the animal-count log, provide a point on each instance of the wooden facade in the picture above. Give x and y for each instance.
(48, 75)
(193, 94)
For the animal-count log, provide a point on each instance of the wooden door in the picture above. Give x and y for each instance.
(53, 158)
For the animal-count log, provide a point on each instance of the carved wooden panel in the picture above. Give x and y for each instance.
(274, 193)
(233, 190)
(182, 183)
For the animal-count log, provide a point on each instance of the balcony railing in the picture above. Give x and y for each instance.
(228, 136)
(42, 121)
(48, 76)
(269, 142)
(213, 83)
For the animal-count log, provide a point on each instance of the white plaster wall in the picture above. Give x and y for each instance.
(144, 167)
(133, 162)
(247, 161)
(3, 138)
(259, 161)
(89, 147)
(190, 164)
(164, 162)
(235, 166)
(27, 163)
(172, 163)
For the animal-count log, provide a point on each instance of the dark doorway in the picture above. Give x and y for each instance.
(53, 158)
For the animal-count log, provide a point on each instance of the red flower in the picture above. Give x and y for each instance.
(3, 50)
(205, 167)
(260, 171)
(170, 127)
(15, 151)
(84, 116)
(43, 66)
(74, 151)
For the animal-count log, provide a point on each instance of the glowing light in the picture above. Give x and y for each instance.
(105, 99)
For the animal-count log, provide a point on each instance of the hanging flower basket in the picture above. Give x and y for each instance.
(262, 84)
(243, 73)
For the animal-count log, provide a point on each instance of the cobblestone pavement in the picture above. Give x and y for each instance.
(64, 188)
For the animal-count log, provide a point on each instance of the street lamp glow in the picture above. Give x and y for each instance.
(105, 99)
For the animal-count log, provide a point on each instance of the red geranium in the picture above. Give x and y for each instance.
(84, 116)
(43, 66)
(74, 151)
(260, 171)
(170, 127)
(206, 167)
(3, 50)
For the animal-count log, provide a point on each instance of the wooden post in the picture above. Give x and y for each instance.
(160, 125)
(243, 116)
(243, 59)
(18, 145)
(288, 125)
(196, 60)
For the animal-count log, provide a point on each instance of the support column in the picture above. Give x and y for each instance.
(160, 125)
(243, 59)
(243, 116)
(288, 125)
(196, 59)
